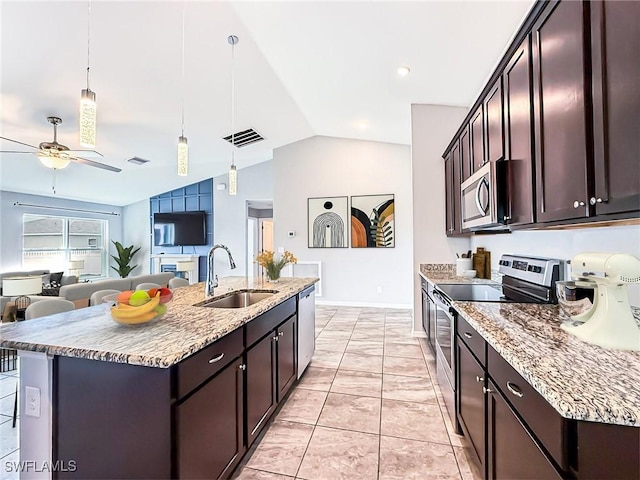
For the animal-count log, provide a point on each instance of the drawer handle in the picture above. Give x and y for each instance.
(479, 379)
(468, 335)
(486, 390)
(217, 359)
(281, 334)
(513, 388)
(242, 367)
(275, 338)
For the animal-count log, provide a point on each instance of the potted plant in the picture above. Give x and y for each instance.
(273, 266)
(125, 255)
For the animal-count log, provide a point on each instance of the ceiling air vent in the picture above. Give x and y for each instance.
(244, 138)
(137, 160)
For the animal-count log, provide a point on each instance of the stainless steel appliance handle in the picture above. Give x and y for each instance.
(482, 183)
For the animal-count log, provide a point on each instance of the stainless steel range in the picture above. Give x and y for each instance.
(525, 280)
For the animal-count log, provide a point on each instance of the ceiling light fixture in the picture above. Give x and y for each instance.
(88, 100)
(233, 172)
(183, 146)
(403, 70)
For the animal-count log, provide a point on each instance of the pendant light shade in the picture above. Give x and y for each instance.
(233, 172)
(233, 180)
(183, 156)
(88, 100)
(88, 118)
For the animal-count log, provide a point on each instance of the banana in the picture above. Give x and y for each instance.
(145, 317)
(136, 311)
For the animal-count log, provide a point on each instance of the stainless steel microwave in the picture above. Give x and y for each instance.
(483, 198)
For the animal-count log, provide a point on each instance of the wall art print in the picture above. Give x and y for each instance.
(328, 222)
(372, 221)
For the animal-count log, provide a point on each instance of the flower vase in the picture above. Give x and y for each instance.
(273, 276)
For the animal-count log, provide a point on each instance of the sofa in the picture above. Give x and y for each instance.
(65, 280)
(79, 293)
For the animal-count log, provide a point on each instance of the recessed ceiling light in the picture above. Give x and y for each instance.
(403, 70)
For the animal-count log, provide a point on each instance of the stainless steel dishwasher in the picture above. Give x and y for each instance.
(306, 327)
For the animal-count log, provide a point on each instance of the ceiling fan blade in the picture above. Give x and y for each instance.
(16, 151)
(84, 153)
(16, 141)
(92, 163)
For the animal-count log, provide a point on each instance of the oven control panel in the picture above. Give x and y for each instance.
(538, 270)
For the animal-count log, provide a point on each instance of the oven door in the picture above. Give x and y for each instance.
(482, 198)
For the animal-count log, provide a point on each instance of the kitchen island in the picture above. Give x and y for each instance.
(569, 408)
(181, 397)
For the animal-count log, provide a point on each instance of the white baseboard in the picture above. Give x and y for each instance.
(418, 333)
(407, 306)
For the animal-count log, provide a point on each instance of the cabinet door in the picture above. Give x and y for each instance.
(615, 45)
(476, 125)
(513, 453)
(466, 168)
(448, 187)
(560, 113)
(261, 390)
(471, 401)
(210, 426)
(457, 214)
(518, 135)
(494, 123)
(287, 335)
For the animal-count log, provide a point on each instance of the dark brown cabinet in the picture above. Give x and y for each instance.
(271, 370)
(476, 126)
(210, 426)
(560, 107)
(512, 452)
(494, 122)
(615, 50)
(466, 168)
(518, 113)
(261, 389)
(471, 400)
(286, 356)
(452, 173)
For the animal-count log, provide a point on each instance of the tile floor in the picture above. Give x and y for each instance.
(368, 407)
(9, 452)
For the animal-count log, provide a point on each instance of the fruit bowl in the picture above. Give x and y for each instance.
(138, 307)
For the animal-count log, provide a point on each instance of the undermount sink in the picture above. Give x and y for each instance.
(238, 299)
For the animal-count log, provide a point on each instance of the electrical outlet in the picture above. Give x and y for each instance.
(32, 401)
(379, 289)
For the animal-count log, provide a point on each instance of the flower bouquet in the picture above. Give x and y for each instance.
(273, 266)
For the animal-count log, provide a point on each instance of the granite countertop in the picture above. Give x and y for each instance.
(579, 380)
(185, 329)
(445, 273)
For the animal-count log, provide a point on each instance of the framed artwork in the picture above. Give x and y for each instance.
(372, 221)
(328, 219)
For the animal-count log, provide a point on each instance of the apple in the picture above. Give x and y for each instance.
(139, 297)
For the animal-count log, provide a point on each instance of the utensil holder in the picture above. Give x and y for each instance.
(463, 264)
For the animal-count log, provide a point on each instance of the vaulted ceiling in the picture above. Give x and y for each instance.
(302, 69)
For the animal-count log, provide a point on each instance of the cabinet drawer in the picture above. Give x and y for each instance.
(546, 424)
(200, 366)
(260, 326)
(472, 339)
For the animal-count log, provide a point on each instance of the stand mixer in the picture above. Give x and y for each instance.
(609, 323)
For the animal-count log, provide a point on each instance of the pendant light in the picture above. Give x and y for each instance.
(183, 145)
(233, 172)
(88, 100)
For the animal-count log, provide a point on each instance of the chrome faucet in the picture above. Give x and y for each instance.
(212, 278)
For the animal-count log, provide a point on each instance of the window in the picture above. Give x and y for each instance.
(53, 242)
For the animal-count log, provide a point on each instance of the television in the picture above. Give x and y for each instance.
(179, 229)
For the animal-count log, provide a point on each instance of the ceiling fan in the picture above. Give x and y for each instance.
(57, 156)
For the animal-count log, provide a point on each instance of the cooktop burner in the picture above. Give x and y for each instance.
(467, 292)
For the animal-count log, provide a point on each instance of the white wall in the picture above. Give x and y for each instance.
(564, 244)
(325, 167)
(230, 214)
(136, 230)
(11, 222)
(432, 128)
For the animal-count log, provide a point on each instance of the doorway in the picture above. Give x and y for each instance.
(260, 233)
